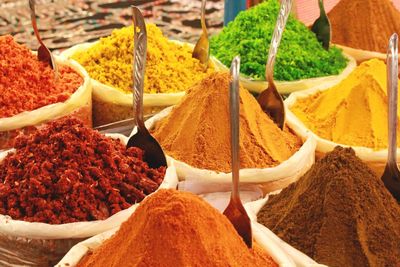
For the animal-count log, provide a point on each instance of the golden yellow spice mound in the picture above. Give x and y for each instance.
(197, 131)
(170, 66)
(354, 112)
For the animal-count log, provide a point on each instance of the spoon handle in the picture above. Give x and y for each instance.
(203, 17)
(284, 12)
(234, 113)
(139, 65)
(392, 86)
(33, 19)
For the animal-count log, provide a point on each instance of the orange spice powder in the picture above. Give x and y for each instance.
(197, 131)
(172, 228)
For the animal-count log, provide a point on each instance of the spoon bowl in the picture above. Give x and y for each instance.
(270, 100)
(153, 153)
(202, 49)
(44, 53)
(391, 175)
(322, 27)
(235, 211)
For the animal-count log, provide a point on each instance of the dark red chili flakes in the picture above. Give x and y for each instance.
(65, 172)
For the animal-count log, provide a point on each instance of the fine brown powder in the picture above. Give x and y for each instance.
(338, 213)
(364, 24)
(197, 131)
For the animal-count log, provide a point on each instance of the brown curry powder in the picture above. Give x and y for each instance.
(364, 24)
(338, 213)
(172, 228)
(197, 131)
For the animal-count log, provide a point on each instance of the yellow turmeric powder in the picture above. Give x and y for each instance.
(354, 112)
(197, 130)
(170, 66)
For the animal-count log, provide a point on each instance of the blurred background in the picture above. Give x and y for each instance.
(64, 23)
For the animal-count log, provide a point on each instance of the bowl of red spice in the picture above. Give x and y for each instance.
(65, 182)
(30, 94)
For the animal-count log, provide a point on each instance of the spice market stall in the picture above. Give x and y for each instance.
(71, 195)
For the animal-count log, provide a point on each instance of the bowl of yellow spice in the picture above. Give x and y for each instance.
(170, 70)
(351, 113)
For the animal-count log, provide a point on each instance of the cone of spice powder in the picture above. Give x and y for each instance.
(172, 228)
(338, 213)
(196, 131)
(363, 27)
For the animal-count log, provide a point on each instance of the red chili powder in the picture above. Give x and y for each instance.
(27, 84)
(65, 172)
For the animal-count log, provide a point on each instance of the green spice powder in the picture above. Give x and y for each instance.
(300, 55)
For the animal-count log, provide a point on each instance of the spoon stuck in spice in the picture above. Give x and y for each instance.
(270, 100)
(391, 175)
(235, 211)
(43, 52)
(202, 49)
(153, 153)
(322, 27)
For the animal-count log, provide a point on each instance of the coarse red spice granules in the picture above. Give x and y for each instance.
(27, 84)
(65, 172)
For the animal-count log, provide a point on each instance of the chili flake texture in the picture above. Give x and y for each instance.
(27, 84)
(65, 172)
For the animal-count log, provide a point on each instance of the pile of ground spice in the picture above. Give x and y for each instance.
(197, 131)
(27, 83)
(339, 213)
(353, 112)
(172, 228)
(300, 55)
(65, 172)
(169, 67)
(364, 24)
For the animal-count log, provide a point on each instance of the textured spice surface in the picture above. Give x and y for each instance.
(27, 84)
(169, 67)
(364, 24)
(197, 131)
(338, 213)
(354, 112)
(65, 172)
(172, 228)
(300, 55)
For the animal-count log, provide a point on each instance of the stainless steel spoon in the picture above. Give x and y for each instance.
(235, 210)
(322, 27)
(153, 153)
(202, 49)
(43, 53)
(270, 100)
(391, 175)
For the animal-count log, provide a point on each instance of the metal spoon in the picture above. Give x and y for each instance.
(202, 49)
(153, 153)
(322, 27)
(235, 210)
(391, 175)
(270, 100)
(43, 53)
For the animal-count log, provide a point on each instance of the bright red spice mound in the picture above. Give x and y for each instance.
(65, 172)
(27, 84)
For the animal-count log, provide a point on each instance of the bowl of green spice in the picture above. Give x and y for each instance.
(301, 62)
